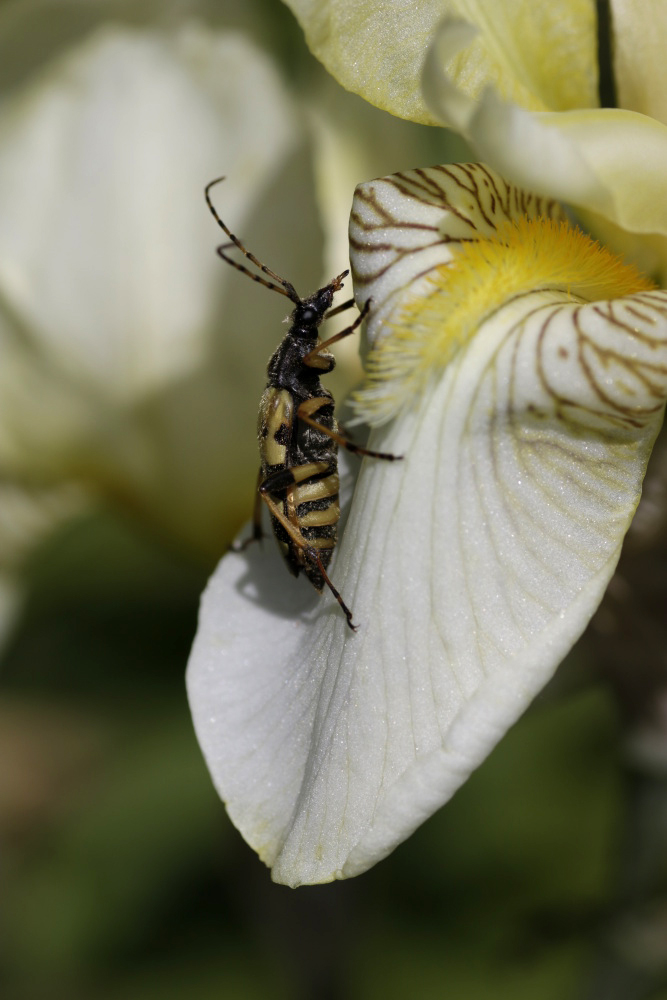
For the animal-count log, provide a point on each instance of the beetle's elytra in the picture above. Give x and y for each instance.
(297, 430)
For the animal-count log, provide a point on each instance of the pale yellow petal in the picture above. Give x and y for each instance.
(542, 56)
(603, 160)
(639, 31)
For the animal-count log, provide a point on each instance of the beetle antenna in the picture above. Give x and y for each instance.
(283, 287)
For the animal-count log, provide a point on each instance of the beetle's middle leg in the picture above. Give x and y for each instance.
(310, 406)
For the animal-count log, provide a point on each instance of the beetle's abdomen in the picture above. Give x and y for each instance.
(313, 506)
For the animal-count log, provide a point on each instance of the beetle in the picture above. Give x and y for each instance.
(297, 431)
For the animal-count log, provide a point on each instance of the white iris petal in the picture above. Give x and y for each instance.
(471, 567)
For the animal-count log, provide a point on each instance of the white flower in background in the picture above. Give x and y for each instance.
(28, 516)
(521, 369)
(122, 368)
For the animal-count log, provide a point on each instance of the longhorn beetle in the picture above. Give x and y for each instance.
(296, 428)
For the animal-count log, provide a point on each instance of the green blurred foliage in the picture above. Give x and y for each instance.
(122, 878)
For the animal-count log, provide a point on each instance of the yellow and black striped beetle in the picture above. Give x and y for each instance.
(298, 475)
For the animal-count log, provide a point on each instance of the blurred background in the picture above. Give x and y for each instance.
(132, 364)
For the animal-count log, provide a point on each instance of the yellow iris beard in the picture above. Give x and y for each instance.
(524, 256)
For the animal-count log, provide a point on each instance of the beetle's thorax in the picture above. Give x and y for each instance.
(286, 368)
(307, 333)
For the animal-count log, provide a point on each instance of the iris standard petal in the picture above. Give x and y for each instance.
(377, 49)
(602, 160)
(639, 29)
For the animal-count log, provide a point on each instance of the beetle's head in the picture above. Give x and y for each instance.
(310, 312)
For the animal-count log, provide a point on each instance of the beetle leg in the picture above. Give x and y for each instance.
(282, 479)
(257, 533)
(310, 406)
(339, 309)
(300, 485)
(308, 358)
(308, 550)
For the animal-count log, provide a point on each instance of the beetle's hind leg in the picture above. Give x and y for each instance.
(309, 551)
(257, 533)
(314, 555)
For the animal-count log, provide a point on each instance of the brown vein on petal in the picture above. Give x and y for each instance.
(476, 194)
(386, 220)
(627, 416)
(442, 201)
(516, 418)
(621, 415)
(638, 314)
(634, 366)
(369, 278)
(451, 171)
(517, 414)
(541, 370)
(656, 301)
(607, 312)
(495, 192)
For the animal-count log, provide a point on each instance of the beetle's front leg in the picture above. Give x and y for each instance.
(325, 362)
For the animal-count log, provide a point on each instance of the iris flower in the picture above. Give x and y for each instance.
(520, 367)
(121, 371)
